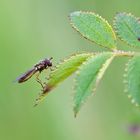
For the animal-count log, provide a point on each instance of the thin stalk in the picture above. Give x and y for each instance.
(125, 53)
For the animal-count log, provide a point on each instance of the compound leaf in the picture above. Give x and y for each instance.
(94, 28)
(128, 28)
(62, 71)
(132, 80)
(88, 77)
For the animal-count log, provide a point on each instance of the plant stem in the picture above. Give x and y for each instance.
(125, 53)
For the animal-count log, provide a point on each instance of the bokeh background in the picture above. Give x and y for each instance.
(34, 29)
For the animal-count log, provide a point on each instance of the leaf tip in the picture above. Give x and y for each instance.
(44, 93)
(75, 112)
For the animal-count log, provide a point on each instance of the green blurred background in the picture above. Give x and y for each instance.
(34, 29)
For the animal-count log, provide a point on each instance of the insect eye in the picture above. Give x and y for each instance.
(49, 64)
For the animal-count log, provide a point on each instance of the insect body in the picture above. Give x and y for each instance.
(39, 67)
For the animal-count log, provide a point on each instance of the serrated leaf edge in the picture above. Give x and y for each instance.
(43, 95)
(126, 85)
(97, 15)
(99, 77)
(116, 30)
(68, 58)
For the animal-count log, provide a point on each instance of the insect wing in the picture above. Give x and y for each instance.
(26, 75)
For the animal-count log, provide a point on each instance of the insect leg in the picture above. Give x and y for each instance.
(38, 80)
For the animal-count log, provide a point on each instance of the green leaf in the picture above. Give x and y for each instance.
(62, 71)
(132, 80)
(94, 28)
(89, 76)
(128, 28)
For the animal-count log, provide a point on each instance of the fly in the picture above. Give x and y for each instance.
(39, 67)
